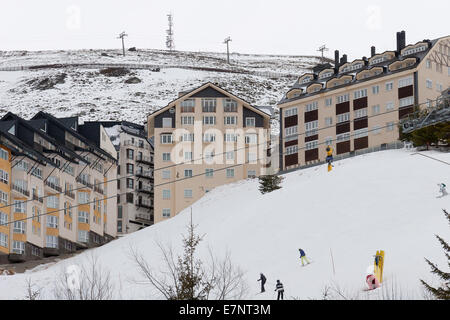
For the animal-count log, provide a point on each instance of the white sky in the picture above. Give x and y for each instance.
(257, 26)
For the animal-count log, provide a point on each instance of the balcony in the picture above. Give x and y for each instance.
(37, 198)
(145, 218)
(84, 182)
(99, 190)
(70, 194)
(136, 144)
(53, 186)
(144, 204)
(145, 174)
(145, 189)
(145, 160)
(21, 190)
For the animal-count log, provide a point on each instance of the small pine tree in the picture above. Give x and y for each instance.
(443, 292)
(269, 183)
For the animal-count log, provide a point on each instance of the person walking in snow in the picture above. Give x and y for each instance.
(443, 189)
(329, 158)
(263, 279)
(280, 289)
(303, 257)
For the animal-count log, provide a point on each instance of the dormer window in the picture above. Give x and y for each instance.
(306, 80)
(409, 51)
(44, 128)
(377, 60)
(12, 130)
(352, 67)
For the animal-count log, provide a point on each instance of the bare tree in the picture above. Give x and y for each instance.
(88, 282)
(33, 292)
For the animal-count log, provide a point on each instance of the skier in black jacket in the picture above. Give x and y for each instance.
(263, 279)
(280, 290)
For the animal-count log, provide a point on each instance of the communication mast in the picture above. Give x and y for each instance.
(170, 43)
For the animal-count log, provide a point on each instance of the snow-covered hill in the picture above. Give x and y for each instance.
(86, 92)
(381, 201)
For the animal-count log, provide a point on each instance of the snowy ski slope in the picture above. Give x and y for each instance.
(384, 200)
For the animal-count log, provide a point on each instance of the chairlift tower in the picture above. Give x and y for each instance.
(170, 43)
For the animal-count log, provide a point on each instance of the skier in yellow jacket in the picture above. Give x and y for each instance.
(329, 158)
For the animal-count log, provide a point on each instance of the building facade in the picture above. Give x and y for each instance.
(54, 191)
(356, 105)
(204, 139)
(135, 182)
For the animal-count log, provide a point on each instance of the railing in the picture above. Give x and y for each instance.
(144, 203)
(70, 194)
(21, 190)
(84, 182)
(53, 186)
(136, 144)
(37, 198)
(144, 189)
(145, 217)
(144, 159)
(145, 174)
(98, 190)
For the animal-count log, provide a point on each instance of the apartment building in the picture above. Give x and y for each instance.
(357, 105)
(55, 198)
(134, 172)
(205, 138)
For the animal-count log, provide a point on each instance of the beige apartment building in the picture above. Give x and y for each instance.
(205, 138)
(54, 193)
(356, 105)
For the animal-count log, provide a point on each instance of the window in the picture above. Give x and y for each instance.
(328, 121)
(291, 150)
(343, 117)
(51, 242)
(130, 168)
(52, 222)
(188, 193)
(188, 106)
(250, 122)
(209, 137)
(130, 154)
(376, 109)
(130, 197)
(130, 184)
(328, 141)
(361, 113)
(409, 101)
(167, 122)
(428, 64)
(188, 173)
(166, 174)
(252, 157)
(187, 137)
(311, 128)
(119, 226)
(83, 236)
(230, 173)
(291, 131)
(429, 84)
(18, 247)
(230, 155)
(229, 105)
(166, 194)
(20, 165)
(389, 106)
(37, 172)
(19, 227)
(83, 217)
(20, 206)
(230, 137)
(4, 176)
(3, 218)
(343, 137)
(405, 82)
(209, 105)
(3, 240)
(4, 154)
(389, 86)
(361, 133)
(166, 213)
(3, 197)
(439, 87)
(209, 173)
(166, 139)
(187, 120)
(251, 174)
(390, 126)
(209, 120)
(188, 156)
(291, 112)
(414, 50)
(376, 89)
(230, 120)
(83, 197)
(166, 157)
(251, 138)
(360, 93)
(312, 106)
(69, 169)
(343, 98)
(328, 102)
(311, 145)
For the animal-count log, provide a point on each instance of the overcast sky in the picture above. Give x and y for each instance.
(256, 26)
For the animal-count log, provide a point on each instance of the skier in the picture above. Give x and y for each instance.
(303, 257)
(263, 279)
(280, 290)
(329, 158)
(442, 189)
(372, 282)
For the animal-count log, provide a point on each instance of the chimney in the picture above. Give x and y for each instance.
(403, 37)
(398, 42)
(373, 51)
(401, 41)
(344, 58)
(336, 60)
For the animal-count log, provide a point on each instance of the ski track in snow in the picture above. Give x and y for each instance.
(380, 201)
